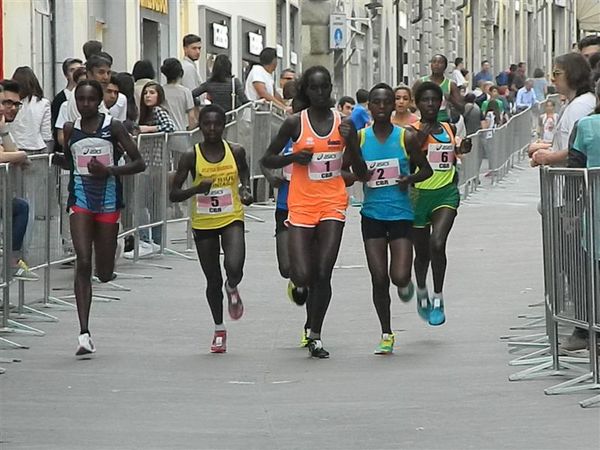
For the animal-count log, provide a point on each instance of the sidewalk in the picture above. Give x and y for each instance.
(153, 384)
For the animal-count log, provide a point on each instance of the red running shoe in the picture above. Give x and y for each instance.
(219, 342)
(234, 302)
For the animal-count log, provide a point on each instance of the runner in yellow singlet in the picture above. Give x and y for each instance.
(220, 186)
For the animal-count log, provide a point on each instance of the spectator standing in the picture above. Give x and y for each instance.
(143, 72)
(178, 98)
(286, 75)
(571, 76)
(520, 77)
(589, 45)
(260, 83)
(127, 88)
(345, 105)
(472, 115)
(20, 208)
(69, 66)
(525, 96)
(91, 48)
(457, 74)
(540, 84)
(154, 117)
(547, 122)
(484, 75)
(111, 93)
(360, 115)
(192, 47)
(402, 115)
(493, 97)
(31, 129)
(222, 88)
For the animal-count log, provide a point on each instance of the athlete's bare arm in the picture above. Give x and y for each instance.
(186, 166)
(455, 98)
(239, 153)
(273, 159)
(417, 158)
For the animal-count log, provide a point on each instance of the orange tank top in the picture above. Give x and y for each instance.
(318, 186)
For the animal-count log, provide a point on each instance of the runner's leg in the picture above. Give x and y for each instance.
(234, 248)
(82, 233)
(105, 246)
(401, 259)
(420, 238)
(377, 260)
(209, 249)
(442, 221)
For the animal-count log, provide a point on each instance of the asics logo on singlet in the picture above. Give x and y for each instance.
(325, 156)
(92, 151)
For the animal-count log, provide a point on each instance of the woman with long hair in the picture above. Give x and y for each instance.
(154, 117)
(222, 87)
(31, 130)
(323, 147)
(402, 114)
(93, 148)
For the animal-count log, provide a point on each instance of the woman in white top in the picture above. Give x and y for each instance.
(572, 77)
(547, 123)
(31, 130)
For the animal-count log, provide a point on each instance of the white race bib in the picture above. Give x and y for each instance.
(326, 165)
(217, 201)
(385, 172)
(441, 156)
(85, 154)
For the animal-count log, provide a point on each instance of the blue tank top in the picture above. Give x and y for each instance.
(383, 199)
(284, 187)
(98, 195)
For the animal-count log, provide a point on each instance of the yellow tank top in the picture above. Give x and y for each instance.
(221, 206)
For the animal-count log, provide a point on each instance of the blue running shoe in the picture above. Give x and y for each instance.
(423, 306)
(436, 314)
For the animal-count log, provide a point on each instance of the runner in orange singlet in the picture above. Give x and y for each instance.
(324, 146)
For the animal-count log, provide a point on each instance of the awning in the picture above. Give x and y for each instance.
(588, 14)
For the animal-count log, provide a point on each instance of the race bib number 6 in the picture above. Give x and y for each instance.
(217, 201)
(385, 173)
(324, 166)
(441, 156)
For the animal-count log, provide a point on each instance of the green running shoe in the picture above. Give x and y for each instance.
(386, 345)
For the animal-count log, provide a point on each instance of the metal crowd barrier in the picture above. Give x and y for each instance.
(570, 207)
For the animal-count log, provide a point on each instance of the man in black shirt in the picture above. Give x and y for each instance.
(69, 66)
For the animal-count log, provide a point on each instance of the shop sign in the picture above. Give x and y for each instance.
(161, 6)
(255, 43)
(220, 35)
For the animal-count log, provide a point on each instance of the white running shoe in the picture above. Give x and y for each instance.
(144, 249)
(86, 346)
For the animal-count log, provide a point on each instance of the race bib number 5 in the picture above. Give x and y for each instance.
(385, 173)
(326, 165)
(441, 156)
(217, 201)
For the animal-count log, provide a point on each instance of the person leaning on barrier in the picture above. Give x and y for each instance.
(584, 152)
(20, 208)
(94, 144)
(571, 76)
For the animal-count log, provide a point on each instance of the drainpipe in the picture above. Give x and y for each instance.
(420, 16)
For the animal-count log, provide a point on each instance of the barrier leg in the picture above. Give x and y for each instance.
(590, 401)
(24, 329)
(9, 342)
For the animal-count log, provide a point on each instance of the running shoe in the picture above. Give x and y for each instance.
(304, 338)
(436, 314)
(86, 347)
(423, 306)
(386, 345)
(234, 302)
(24, 273)
(219, 342)
(316, 350)
(407, 292)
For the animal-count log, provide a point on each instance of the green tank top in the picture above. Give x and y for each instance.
(443, 115)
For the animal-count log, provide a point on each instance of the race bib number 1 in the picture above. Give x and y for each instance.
(385, 173)
(217, 201)
(325, 165)
(441, 156)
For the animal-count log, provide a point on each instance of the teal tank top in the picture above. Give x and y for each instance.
(383, 198)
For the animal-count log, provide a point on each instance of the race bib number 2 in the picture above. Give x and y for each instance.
(217, 201)
(326, 165)
(385, 173)
(441, 156)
